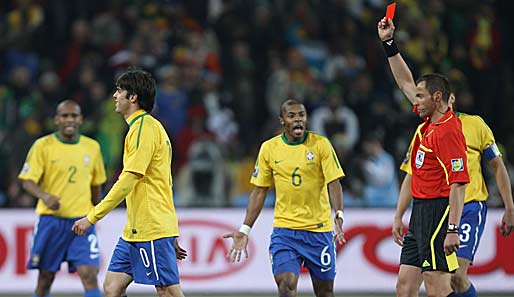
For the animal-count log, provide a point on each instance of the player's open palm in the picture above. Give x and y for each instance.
(385, 29)
(53, 202)
(239, 245)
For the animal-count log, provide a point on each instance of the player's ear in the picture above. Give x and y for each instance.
(281, 121)
(133, 98)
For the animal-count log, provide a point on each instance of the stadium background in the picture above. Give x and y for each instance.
(223, 67)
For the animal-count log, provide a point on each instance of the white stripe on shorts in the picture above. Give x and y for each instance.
(153, 260)
(478, 227)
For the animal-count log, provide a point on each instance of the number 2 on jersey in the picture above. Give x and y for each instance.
(72, 170)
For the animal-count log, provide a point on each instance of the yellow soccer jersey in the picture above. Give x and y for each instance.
(150, 210)
(67, 170)
(300, 172)
(479, 142)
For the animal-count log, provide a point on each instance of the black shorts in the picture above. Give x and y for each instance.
(423, 245)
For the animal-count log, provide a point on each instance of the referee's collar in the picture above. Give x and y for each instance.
(446, 117)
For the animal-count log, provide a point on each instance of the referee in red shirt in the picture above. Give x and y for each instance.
(439, 175)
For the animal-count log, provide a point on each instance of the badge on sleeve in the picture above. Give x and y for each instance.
(457, 165)
(26, 168)
(255, 171)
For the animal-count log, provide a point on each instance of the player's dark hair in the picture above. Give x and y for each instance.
(141, 83)
(436, 82)
(287, 103)
(67, 102)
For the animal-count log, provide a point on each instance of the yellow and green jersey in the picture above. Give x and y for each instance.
(67, 170)
(479, 142)
(150, 210)
(300, 171)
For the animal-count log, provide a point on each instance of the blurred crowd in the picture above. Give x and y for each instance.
(224, 66)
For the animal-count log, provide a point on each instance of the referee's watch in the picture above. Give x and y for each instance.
(452, 228)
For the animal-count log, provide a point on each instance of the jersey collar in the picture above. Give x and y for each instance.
(64, 141)
(136, 115)
(302, 140)
(447, 116)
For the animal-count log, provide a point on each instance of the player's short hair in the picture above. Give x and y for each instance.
(67, 102)
(141, 83)
(436, 82)
(286, 103)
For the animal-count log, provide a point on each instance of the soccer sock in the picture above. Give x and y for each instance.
(92, 293)
(453, 294)
(47, 295)
(471, 292)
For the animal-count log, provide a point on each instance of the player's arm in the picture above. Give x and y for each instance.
(240, 237)
(35, 190)
(119, 190)
(95, 194)
(401, 72)
(255, 205)
(404, 200)
(335, 194)
(504, 186)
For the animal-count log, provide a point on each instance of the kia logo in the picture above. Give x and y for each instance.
(207, 250)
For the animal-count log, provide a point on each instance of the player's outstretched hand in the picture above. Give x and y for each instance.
(239, 245)
(507, 223)
(398, 231)
(339, 234)
(53, 202)
(179, 251)
(81, 226)
(385, 29)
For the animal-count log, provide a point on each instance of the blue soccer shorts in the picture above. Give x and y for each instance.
(54, 242)
(149, 262)
(289, 249)
(472, 225)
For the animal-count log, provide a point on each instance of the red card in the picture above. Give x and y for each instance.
(390, 10)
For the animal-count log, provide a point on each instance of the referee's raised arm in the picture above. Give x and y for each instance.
(401, 72)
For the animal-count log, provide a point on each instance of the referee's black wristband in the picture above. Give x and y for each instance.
(390, 47)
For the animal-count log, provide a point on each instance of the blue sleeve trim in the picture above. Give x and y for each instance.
(491, 152)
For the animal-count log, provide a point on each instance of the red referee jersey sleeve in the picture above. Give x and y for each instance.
(451, 152)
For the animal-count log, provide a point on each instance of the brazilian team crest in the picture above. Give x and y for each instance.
(310, 156)
(35, 260)
(87, 159)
